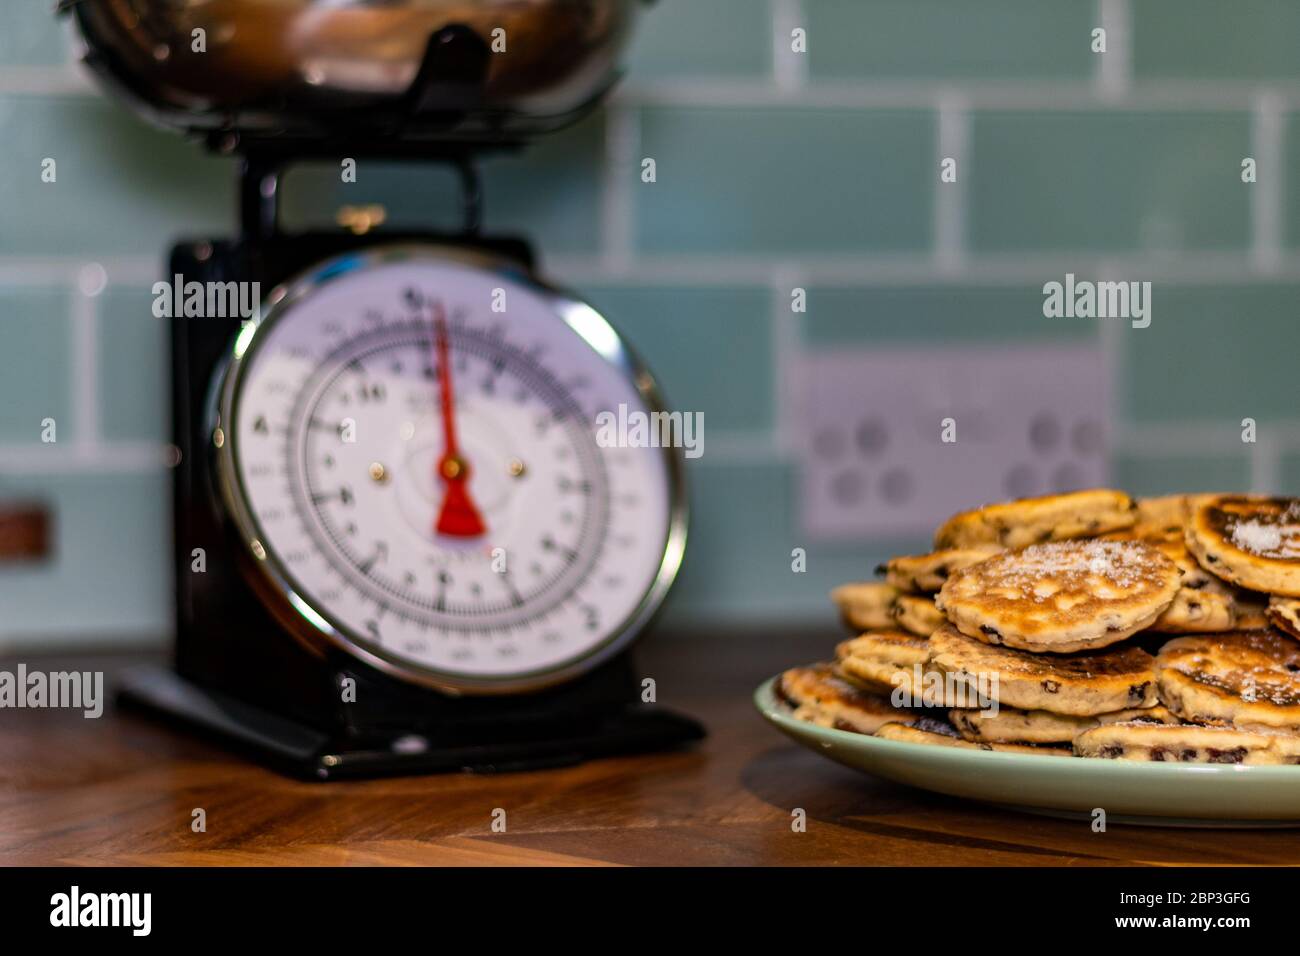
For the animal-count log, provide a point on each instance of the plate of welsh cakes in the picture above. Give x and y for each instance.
(1072, 653)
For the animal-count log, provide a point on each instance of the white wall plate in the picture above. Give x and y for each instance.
(872, 461)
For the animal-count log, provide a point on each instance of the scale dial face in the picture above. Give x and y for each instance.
(407, 443)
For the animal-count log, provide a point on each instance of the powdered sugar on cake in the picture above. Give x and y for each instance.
(1273, 540)
(1076, 564)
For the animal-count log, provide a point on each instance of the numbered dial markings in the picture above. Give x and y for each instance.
(414, 445)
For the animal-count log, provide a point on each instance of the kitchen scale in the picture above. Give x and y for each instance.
(399, 546)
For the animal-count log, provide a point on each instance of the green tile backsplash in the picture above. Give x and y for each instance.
(109, 575)
(121, 186)
(1103, 180)
(821, 172)
(940, 39)
(133, 397)
(552, 190)
(1216, 352)
(1210, 39)
(33, 37)
(790, 180)
(686, 330)
(35, 363)
(1166, 474)
(701, 38)
(1290, 173)
(742, 535)
(949, 314)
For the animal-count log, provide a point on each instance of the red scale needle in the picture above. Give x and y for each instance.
(457, 518)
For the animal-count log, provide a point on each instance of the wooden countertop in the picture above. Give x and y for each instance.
(121, 790)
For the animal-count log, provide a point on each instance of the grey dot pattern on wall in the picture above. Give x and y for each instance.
(1021, 481)
(872, 437)
(848, 487)
(1028, 421)
(897, 486)
(1046, 434)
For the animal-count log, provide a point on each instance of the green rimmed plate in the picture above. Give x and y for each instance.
(1148, 793)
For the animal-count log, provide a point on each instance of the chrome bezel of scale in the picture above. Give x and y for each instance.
(275, 585)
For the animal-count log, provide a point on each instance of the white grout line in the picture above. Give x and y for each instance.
(146, 458)
(787, 361)
(28, 638)
(1114, 342)
(85, 370)
(1192, 438)
(621, 176)
(1114, 71)
(983, 94)
(61, 270)
(16, 271)
(76, 457)
(789, 69)
(65, 80)
(952, 137)
(741, 447)
(1054, 95)
(848, 270)
(1267, 139)
(1135, 440)
(1285, 433)
(868, 270)
(1265, 467)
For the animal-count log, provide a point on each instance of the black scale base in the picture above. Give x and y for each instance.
(486, 746)
(240, 677)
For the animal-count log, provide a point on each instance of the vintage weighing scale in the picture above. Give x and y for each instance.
(398, 545)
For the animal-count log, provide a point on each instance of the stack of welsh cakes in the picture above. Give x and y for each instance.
(1044, 626)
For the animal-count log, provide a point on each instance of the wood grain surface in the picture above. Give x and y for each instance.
(121, 790)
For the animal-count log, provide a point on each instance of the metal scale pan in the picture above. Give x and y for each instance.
(321, 70)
